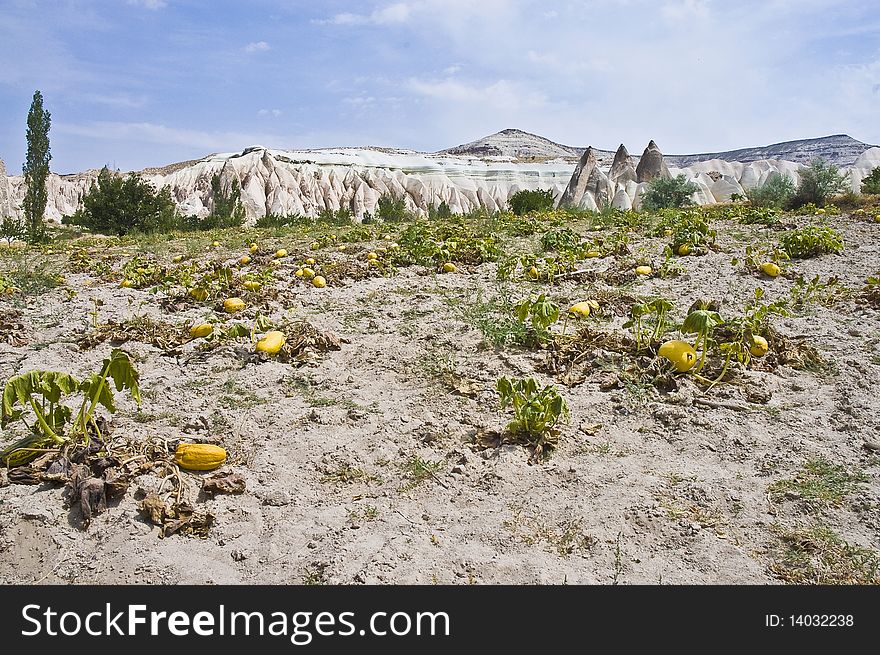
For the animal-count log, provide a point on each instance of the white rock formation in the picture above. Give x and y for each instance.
(310, 181)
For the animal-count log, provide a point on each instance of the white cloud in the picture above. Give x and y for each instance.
(258, 46)
(395, 13)
(122, 100)
(681, 11)
(451, 70)
(162, 134)
(270, 112)
(149, 4)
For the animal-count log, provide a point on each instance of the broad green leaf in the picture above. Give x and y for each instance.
(123, 373)
(19, 389)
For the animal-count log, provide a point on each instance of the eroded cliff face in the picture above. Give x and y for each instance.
(310, 181)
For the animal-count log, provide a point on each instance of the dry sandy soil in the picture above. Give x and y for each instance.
(645, 487)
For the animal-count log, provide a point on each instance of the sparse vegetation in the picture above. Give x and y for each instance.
(811, 241)
(524, 202)
(819, 181)
(871, 184)
(776, 192)
(119, 205)
(667, 193)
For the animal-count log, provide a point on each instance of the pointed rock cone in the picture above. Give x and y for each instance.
(577, 186)
(622, 170)
(651, 164)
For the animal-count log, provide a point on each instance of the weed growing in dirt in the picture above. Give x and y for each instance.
(817, 555)
(536, 412)
(811, 241)
(819, 481)
(417, 470)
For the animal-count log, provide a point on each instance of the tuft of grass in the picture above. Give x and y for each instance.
(345, 473)
(417, 470)
(565, 538)
(820, 481)
(236, 396)
(817, 555)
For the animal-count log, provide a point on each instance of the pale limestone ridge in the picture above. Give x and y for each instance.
(311, 181)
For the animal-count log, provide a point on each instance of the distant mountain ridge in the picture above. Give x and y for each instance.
(481, 174)
(839, 149)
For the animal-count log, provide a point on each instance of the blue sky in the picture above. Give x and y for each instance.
(136, 83)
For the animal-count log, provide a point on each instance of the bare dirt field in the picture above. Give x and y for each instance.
(374, 449)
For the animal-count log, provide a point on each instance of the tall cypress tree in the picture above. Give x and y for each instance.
(36, 170)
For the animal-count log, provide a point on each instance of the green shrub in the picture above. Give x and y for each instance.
(811, 241)
(668, 193)
(392, 208)
(819, 181)
(523, 202)
(341, 216)
(871, 184)
(228, 210)
(439, 212)
(777, 192)
(279, 220)
(118, 205)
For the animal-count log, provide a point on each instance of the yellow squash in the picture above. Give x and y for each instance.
(644, 270)
(281, 252)
(582, 309)
(759, 346)
(680, 353)
(199, 456)
(201, 330)
(244, 260)
(308, 273)
(684, 249)
(449, 267)
(771, 269)
(251, 285)
(319, 282)
(271, 342)
(232, 305)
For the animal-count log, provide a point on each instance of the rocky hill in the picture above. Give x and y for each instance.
(484, 173)
(839, 149)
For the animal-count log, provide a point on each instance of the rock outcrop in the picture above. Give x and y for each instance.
(651, 164)
(308, 182)
(622, 170)
(577, 185)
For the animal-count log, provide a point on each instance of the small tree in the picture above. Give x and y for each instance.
(439, 212)
(871, 184)
(117, 204)
(391, 208)
(819, 181)
(36, 170)
(228, 210)
(12, 228)
(777, 191)
(667, 193)
(523, 202)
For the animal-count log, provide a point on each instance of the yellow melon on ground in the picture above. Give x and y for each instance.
(680, 353)
(271, 342)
